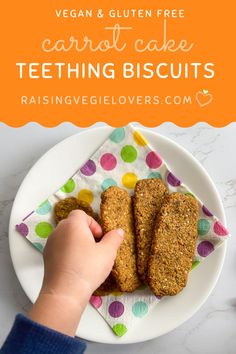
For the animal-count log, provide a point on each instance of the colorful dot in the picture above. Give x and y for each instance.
(140, 309)
(173, 180)
(69, 186)
(108, 162)
(108, 183)
(44, 208)
(154, 175)
(153, 160)
(190, 194)
(120, 329)
(39, 246)
(117, 135)
(89, 168)
(219, 229)
(96, 301)
(206, 211)
(195, 264)
(117, 293)
(116, 309)
(205, 248)
(22, 229)
(129, 180)
(86, 196)
(139, 139)
(203, 227)
(128, 153)
(158, 297)
(43, 229)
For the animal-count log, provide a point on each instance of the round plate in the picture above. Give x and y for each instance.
(52, 170)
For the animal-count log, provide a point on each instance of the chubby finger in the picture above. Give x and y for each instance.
(112, 240)
(86, 224)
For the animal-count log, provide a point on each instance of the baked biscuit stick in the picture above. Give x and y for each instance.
(149, 195)
(63, 208)
(107, 287)
(173, 244)
(116, 212)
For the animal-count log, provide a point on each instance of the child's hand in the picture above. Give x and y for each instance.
(75, 265)
(72, 256)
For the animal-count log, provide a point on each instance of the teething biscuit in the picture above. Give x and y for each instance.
(173, 244)
(63, 208)
(116, 212)
(149, 195)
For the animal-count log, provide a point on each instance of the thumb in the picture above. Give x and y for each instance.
(112, 240)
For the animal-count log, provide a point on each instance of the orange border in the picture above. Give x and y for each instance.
(24, 26)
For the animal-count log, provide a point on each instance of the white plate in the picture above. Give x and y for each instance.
(52, 170)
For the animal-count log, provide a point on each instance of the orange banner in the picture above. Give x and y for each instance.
(117, 61)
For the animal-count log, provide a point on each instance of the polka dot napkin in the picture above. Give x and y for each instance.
(125, 157)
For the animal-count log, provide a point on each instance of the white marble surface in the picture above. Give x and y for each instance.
(213, 328)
